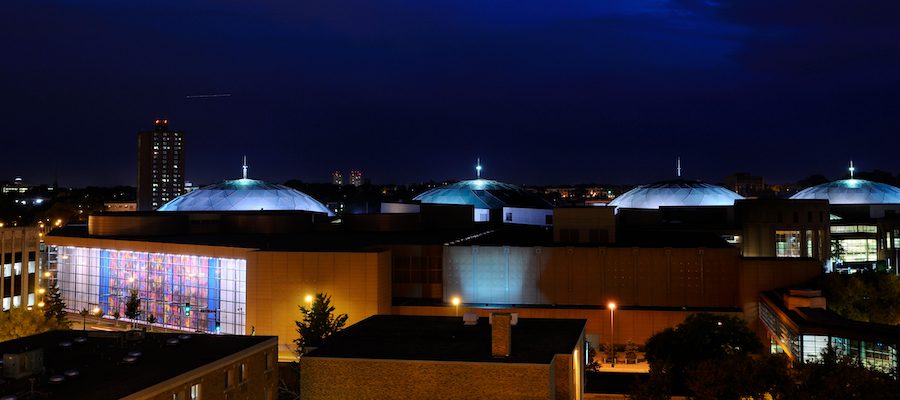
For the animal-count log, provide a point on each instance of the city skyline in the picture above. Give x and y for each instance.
(411, 91)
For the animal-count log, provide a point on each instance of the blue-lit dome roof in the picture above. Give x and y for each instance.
(245, 195)
(680, 193)
(852, 191)
(483, 193)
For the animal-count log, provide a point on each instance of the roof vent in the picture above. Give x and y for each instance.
(22, 365)
(513, 320)
(56, 379)
(470, 318)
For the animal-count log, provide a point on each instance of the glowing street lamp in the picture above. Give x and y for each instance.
(455, 301)
(309, 301)
(612, 309)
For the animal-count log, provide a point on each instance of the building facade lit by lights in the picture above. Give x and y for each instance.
(160, 166)
(22, 270)
(337, 178)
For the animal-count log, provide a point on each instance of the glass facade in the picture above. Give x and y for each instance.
(853, 229)
(808, 348)
(215, 288)
(787, 243)
(859, 250)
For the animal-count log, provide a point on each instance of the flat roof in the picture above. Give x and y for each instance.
(401, 337)
(316, 240)
(819, 321)
(102, 373)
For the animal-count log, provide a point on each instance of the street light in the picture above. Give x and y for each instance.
(612, 347)
(455, 301)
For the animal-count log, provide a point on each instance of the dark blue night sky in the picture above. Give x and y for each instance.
(407, 91)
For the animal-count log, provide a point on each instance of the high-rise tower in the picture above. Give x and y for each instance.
(160, 166)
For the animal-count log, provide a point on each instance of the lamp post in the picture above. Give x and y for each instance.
(309, 302)
(612, 347)
(455, 301)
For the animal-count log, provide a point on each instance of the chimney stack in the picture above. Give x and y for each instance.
(501, 338)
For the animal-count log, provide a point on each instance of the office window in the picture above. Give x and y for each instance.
(242, 373)
(787, 243)
(195, 391)
(859, 250)
(809, 244)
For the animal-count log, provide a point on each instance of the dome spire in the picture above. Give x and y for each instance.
(244, 168)
(678, 166)
(478, 167)
(851, 169)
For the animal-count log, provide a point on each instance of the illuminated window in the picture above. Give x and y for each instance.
(859, 250)
(195, 391)
(787, 243)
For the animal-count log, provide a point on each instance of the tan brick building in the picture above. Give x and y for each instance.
(401, 357)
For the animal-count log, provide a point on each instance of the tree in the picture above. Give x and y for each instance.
(631, 349)
(133, 307)
(54, 306)
(19, 322)
(151, 319)
(593, 365)
(834, 376)
(319, 322)
(865, 296)
(698, 347)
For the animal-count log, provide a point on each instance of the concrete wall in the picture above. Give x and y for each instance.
(658, 277)
(332, 378)
(635, 325)
(525, 216)
(278, 282)
(602, 220)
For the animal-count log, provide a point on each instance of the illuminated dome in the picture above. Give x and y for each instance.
(852, 191)
(483, 193)
(245, 195)
(679, 193)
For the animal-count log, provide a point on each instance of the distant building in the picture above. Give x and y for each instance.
(21, 262)
(17, 186)
(74, 365)
(337, 178)
(745, 184)
(160, 166)
(356, 178)
(120, 206)
(189, 187)
(500, 357)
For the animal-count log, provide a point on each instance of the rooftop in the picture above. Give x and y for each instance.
(102, 372)
(399, 337)
(328, 240)
(484, 194)
(821, 321)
